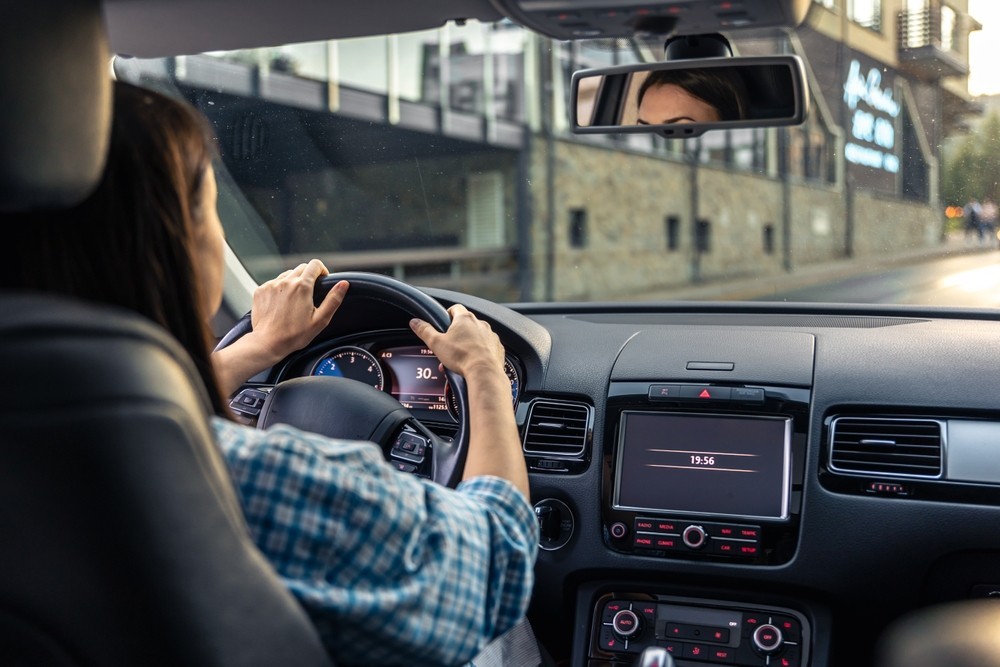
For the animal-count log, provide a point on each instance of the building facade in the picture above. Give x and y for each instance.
(445, 157)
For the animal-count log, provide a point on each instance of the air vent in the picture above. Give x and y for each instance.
(557, 428)
(898, 447)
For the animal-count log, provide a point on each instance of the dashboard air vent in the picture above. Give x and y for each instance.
(886, 446)
(557, 428)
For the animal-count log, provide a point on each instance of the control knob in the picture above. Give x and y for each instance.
(694, 537)
(768, 639)
(626, 624)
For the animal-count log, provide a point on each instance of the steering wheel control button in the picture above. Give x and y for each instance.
(402, 466)
(618, 530)
(248, 402)
(694, 537)
(555, 524)
(664, 392)
(767, 639)
(626, 624)
(410, 447)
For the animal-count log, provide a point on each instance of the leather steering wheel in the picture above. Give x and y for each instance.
(346, 409)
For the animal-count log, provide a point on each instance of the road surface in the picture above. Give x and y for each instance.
(971, 281)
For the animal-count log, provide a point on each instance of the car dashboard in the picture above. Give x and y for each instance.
(744, 484)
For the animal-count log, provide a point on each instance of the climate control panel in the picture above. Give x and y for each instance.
(700, 632)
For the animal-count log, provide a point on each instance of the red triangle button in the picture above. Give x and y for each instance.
(704, 394)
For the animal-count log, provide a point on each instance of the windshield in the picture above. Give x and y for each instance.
(445, 158)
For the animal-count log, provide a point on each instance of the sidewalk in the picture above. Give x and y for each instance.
(754, 287)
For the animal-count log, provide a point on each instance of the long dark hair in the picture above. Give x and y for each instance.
(131, 243)
(720, 87)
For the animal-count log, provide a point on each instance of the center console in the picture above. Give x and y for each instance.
(700, 472)
(704, 472)
(697, 631)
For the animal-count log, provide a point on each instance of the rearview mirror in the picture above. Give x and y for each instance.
(686, 98)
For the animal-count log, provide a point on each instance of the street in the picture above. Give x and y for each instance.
(971, 281)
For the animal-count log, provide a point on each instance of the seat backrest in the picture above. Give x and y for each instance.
(122, 539)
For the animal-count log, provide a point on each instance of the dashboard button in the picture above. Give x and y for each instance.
(673, 647)
(643, 542)
(664, 392)
(612, 608)
(667, 542)
(790, 658)
(789, 627)
(696, 652)
(723, 655)
(705, 392)
(725, 547)
(608, 641)
(748, 395)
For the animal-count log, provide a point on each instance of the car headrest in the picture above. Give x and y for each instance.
(56, 116)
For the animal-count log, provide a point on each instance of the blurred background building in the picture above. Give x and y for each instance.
(445, 157)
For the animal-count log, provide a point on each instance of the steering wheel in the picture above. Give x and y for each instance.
(347, 409)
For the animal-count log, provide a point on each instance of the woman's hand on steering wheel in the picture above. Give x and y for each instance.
(284, 319)
(468, 347)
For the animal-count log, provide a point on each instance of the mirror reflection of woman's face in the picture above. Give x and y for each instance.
(669, 103)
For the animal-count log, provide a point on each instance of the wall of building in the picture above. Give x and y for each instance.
(628, 197)
(885, 226)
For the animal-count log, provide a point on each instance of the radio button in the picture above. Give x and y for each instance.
(726, 547)
(643, 542)
(645, 525)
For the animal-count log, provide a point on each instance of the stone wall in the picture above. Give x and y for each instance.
(627, 198)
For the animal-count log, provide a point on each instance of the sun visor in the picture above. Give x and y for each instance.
(596, 19)
(56, 115)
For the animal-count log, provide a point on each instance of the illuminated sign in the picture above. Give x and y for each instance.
(874, 126)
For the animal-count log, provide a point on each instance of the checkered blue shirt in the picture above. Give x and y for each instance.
(391, 568)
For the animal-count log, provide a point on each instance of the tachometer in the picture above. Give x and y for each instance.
(510, 369)
(353, 363)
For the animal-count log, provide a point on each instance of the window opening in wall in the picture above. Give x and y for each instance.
(673, 228)
(769, 239)
(578, 228)
(866, 13)
(703, 236)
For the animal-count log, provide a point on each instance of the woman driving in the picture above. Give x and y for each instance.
(389, 567)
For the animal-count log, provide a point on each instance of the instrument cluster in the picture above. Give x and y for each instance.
(410, 373)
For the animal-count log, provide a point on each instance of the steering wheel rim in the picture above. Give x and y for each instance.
(448, 457)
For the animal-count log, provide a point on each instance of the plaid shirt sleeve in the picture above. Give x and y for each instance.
(390, 567)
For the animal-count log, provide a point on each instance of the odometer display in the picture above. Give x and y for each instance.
(353, 363)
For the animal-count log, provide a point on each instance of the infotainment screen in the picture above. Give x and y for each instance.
(704, 464)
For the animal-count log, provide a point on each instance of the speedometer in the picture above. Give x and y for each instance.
(353, 363)
(509, 369)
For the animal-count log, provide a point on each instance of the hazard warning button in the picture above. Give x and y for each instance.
(706, 392)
